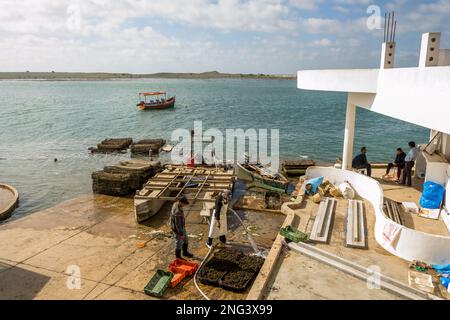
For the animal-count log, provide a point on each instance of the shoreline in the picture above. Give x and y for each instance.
(99, 76)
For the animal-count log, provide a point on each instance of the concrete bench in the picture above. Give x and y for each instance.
(321, 229)
(356, 225)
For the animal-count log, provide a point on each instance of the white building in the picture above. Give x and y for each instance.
(419, 95)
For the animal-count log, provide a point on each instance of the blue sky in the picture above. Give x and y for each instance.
(248, 36)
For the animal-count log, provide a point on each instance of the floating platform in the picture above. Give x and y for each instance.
(9, 200)
(147, 145)
(112, 145)
(197, 184)
(123, 178)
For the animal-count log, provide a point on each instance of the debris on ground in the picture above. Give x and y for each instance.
(159, 234)
(196, 236)
(419, 265)
(140, 245)
(421, 281)
(262, 201)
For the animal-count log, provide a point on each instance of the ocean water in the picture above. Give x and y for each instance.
(43, 120)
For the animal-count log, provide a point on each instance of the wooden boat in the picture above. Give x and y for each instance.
(155, 101)
(260, 177)
(293, 168)
(9, 200)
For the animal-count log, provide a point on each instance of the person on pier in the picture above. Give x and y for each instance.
(178, 226)
(360, 162)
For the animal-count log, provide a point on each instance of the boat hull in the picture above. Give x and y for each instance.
(258, 181)
(9, 200)
(157, 106)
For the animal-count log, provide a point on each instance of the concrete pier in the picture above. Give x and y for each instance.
(114, 255)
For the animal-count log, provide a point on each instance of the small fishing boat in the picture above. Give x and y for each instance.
(9, 200)
(261, 177)
(155, 100)
(293, 168)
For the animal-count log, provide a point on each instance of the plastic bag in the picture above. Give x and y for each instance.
(347, 190)
(445, 282)
(314, 183)
(432, 195)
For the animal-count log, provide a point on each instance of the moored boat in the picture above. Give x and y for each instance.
(293, 168)
(155, 100)
(9, 200)
(260, 177)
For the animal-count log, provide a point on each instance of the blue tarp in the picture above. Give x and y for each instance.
(442, 269)
(432, 195)
(445, 282)
(445, 271)
(315, 183)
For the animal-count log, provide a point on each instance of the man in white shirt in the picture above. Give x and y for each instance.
(409, 163)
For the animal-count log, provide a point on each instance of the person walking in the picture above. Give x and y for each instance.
(409, 163)
(178, 226)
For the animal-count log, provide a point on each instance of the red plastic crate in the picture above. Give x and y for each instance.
(177, 278)
(178, 264)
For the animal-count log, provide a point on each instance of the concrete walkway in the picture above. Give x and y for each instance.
(115, 256)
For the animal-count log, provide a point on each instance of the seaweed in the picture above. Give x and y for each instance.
(251, 263)
(237, 280)
(230, 269)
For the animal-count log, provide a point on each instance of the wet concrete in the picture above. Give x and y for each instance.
(116, 257)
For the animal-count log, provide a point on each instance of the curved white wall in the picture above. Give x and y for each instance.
(410, 244)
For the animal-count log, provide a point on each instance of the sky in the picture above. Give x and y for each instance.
(238, 36)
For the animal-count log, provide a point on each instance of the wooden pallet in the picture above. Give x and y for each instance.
(392, 211)
(197, 184)
(356, 225)
(321, 229)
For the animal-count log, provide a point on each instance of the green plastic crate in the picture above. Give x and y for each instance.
(293, 235)
(158, 283)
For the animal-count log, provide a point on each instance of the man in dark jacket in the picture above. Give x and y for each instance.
(221, 199)
(360, 162)
(178, 226)
(399, 163)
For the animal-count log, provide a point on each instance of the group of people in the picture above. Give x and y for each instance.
(178, 223)
(403, 162)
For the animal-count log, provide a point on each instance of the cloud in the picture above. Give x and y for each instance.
(200, 35)
(341, 9)
(324, 42)
(354, 2)
(305, 4)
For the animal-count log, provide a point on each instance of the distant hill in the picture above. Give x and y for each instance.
(98, 76)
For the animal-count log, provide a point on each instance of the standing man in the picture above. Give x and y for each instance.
(409, 163)
(399, 162)
(221, 199)
(360, 162)
(178, 226)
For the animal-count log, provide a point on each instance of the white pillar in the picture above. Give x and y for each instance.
(347, 155)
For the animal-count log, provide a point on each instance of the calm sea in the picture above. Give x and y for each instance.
(42, 120)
